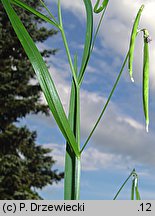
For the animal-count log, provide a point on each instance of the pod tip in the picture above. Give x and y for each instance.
(147, 127)
(132, 79)
(142, 6)
(136, 182)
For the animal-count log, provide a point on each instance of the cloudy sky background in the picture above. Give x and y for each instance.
(120, 142)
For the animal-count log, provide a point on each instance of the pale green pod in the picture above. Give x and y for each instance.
(146, 77)
(103, 5)
(132, 42)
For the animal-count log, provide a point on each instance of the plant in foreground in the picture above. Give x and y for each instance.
(70, 126)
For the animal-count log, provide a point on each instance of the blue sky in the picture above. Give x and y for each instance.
(120, 142)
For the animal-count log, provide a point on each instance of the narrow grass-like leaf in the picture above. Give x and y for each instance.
(43, 76)
(88, 39)
(98, 9)
(32, 10)
(132, 42)
(146, 77)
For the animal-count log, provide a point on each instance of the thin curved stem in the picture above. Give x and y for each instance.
(48, 11)
(66, 44)
(105, 106)
(133, 171)
(97, 30)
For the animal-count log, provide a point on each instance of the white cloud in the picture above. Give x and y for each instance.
(118, 137)
(92, 159)
(131, 122)
(118, 134)
(116, 29)
(75, 7)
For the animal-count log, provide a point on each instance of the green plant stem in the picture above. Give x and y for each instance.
(78, 116)
(72, 163)
(97, 30)
(68, 55)
(49, 12)
(70, 157)
(124, 184)
(70, 169)
(66, 44)
(105, 106)
(78, 160)
(78, 175)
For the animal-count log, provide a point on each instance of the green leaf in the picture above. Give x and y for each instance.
(88, 39)
(30, 9)
(43, 76)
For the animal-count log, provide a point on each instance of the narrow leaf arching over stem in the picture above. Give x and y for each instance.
(37, 13)
(43, 76)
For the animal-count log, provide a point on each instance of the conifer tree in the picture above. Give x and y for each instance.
(24, 165)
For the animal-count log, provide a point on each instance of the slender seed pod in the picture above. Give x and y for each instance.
(99, 9)
(146, 77)
(132, 41)
(133, 190)
(137, 191)
(136, 186)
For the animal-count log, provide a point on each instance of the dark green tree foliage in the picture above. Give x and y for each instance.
(24, 166)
